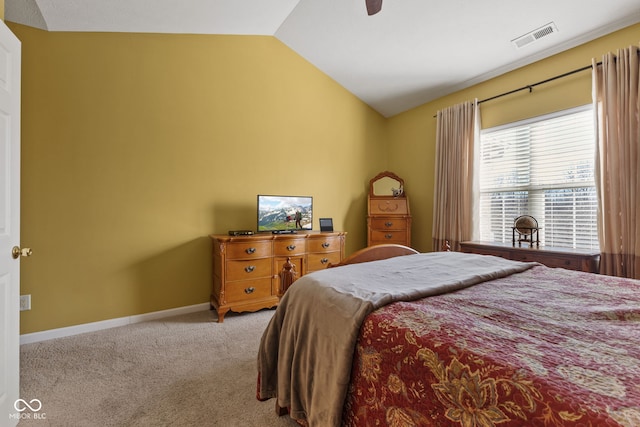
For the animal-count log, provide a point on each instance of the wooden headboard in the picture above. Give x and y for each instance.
(376, 252)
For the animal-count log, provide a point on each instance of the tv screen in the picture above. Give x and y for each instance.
(285, 213)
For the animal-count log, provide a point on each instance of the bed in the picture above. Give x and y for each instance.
(453, 339)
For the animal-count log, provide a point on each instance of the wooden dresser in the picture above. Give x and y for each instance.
(246, 269)
(571, 259)
(389, 217)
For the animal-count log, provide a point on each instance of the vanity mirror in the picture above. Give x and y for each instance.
(386, 184)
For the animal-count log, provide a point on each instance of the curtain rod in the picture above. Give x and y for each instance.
(531, 86)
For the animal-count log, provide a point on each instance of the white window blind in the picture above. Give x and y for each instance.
(542, 167)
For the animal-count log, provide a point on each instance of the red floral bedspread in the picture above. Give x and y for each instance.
(547, 347)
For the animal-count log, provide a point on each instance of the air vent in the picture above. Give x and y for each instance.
(535, 35)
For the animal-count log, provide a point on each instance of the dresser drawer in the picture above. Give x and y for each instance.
(569, 264)
(248, 290)
(248, 250)
(550, 261)
(388, 223)
(289, 247)
(327, 244)
(388, 236)
(394, 206)
(250, 269)
(320, 261)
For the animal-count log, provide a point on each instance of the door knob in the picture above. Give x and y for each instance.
(16, 252)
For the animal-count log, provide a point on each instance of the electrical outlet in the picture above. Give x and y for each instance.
(25, 302)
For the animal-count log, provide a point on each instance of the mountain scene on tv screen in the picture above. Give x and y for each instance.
(284, 218)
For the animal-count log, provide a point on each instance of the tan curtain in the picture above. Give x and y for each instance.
(616, 85)
(453, 211)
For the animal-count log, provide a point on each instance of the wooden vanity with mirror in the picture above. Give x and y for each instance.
(388, 217)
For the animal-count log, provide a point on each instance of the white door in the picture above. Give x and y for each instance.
(9, 224)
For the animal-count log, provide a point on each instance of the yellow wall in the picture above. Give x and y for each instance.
(412, 134)
(135, 147)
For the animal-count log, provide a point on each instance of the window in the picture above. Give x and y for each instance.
(542, 167)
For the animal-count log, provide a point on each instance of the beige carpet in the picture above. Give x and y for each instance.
(181, 371)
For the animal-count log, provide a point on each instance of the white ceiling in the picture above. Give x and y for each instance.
(410, 53)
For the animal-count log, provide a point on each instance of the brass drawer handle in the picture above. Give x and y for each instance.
(388, 236)
(291, 247)
(388, 223)
(249, 290)
(324, 260)
(250, 250)
(249, 268)
(326, 245)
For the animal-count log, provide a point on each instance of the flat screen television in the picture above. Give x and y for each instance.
(285, 213)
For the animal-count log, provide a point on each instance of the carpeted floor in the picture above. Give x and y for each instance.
(181, 371)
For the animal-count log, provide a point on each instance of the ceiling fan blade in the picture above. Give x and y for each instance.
(373, 6)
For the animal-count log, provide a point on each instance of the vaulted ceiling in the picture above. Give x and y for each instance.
(410, 53)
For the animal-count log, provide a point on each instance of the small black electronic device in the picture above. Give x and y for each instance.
(240, 232)
(284, 232)
(326, 224)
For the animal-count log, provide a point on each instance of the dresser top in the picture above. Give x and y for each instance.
(301, 234)
(525, 246)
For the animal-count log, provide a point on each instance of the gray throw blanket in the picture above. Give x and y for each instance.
(306, 352)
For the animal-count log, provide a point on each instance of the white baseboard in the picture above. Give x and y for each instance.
(111, 323)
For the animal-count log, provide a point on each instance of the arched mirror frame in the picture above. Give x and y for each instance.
(381, 176)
